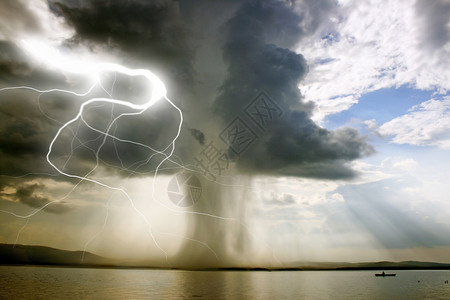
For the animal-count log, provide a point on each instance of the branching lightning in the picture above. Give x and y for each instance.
(52, 58)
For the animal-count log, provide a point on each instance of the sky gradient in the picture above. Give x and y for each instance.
(227, 133)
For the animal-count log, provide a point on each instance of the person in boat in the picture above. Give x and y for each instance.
(382, 273)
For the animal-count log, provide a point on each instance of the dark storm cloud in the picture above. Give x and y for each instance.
(293, 144)
(436, 21)
(155, 128)
(143, 34)
(198, 135)
(255, 50)
(24, 135)
(256, 42)
(147, 30)
(28, 119)
(12, 61)
(26, 194)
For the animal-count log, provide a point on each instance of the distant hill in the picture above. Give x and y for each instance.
(41, 255)
(381, 265)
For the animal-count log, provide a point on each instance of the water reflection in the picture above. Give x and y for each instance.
(79, 283)
(212, 284)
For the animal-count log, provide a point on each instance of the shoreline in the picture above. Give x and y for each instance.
(230, 269)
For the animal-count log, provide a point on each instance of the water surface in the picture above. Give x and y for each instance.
(83, 283)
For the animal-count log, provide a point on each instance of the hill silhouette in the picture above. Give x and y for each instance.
(41, 255)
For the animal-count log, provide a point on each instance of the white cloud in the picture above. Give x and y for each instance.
(406, 164)
(427, 124)
(368, 172)
(373, 45)
(371, 124)
(337, 197)
(274, 199)
(395, 164)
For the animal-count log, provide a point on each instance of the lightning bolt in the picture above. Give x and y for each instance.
(52, 58)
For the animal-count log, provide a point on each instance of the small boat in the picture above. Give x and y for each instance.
(385, 274)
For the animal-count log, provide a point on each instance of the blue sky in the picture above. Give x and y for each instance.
(381, 105)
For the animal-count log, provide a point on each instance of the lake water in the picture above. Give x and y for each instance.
(80, 283)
